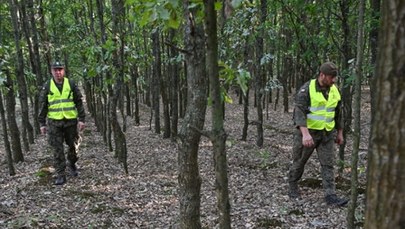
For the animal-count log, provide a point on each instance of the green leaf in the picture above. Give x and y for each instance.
(163, 13)
(218, 6)
(173, 23)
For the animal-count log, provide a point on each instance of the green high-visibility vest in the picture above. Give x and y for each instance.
(322, 111)
(61, 105)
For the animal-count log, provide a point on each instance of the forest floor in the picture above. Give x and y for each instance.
(103, 196)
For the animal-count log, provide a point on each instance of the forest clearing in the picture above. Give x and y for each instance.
(102, 196)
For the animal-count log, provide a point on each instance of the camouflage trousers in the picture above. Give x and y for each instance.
(324, 145)
(60, 132)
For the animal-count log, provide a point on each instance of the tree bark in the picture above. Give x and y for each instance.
(373, 44)
(386, 172)
(356, 110)
(155, 82)
(15, 136)
(218, 134)
(346, 85)
(174, 87)
(190, 132)
(10, 165)
(27, 130)
(260, 74)
(118, 63)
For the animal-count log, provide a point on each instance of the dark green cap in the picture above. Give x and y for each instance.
(57, 64)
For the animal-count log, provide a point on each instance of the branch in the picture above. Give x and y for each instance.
(177, 48)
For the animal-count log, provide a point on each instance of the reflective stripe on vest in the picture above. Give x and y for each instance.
(322, 111)
(61, 105)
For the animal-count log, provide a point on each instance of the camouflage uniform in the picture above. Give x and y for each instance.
(62, 131)
(323, 140)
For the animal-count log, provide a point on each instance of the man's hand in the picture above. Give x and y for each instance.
(81, 126)
(339, 138)
(307, 140)
(43, 130)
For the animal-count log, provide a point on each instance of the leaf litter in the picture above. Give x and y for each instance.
(103, 196)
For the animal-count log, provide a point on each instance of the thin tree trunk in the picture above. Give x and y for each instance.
(174, 87)
(10, 165)
(260, 75)
(165, 93)
(356, 110)
(386, 171)
(346, 86)
(31, 37)
(190, 132)
(118, 62)
(11, 120)
(102, 106)
(27, 130)
(373, 44)
(218, 134)
(155, 82)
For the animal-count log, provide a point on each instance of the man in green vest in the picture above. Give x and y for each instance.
(62, 116)
(317, 117)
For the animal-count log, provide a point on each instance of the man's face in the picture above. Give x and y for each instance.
(58, 74)
(327, 80)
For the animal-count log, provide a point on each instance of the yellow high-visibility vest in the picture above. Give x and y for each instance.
(61, 105)
(322, 111)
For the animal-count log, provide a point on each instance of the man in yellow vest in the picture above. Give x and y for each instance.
(317, 116)
(62, 116)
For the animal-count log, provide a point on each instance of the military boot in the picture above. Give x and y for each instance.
(73, 169)
(60, 180)
(294, 191)
(334, 200)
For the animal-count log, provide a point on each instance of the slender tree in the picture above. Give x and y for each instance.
(27, 130)
(15, 135)
(9, 156)
(218, 135)
(155, 82)
(356, 110)
(190, 132)
(118, 62)
(260, 74)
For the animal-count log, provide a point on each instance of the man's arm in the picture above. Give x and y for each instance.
(301, 104)
(78, 100)
(43, 108)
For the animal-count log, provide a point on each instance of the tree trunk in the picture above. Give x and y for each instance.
(189, 175)
(165, 93)
(102, 107)
(118, 62)
(373, 44)
(260, 75)
(174, 87)
(218, 135)
(27, 130)
(356, 110)
(386, 171)
(345, 87)
(155, 82)
(11, 170)
(11, 120)
(31, 37)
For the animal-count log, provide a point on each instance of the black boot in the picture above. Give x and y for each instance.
(73, 169)
(334, 200)
(294, 191)
(60, 180)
